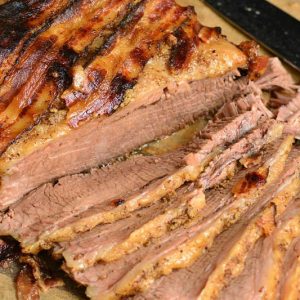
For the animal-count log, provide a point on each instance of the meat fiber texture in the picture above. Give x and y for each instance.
(248, 133)
(91, 75)
(126, 224)
(98, 141)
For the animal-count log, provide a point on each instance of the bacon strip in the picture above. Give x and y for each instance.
(186, 41)
(123, 58)
(31, 18)
(48, 60)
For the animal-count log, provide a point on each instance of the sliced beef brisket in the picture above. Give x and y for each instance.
(98, 141)
(224, 259)
(186, 284)
(177, 250)
(97, 80)
(290, 114)
(97, 75)
(111, 242)
(264, 271)
(284, 95)
(213, 201)
(289, 287)
(87, 255)
(275, 77)
(74, 194)
(63, 224)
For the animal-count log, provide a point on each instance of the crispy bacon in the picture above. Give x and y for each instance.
(32, 17)
(123, 58)
(186, 41)
(83, 55)
(257, 64)
(43, 67)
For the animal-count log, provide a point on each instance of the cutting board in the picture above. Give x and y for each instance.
(206, 17)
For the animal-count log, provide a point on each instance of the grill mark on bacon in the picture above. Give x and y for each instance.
(105, 90)
(125, 27)
(186, 41)
(142, 36)
(32, 114)
(52, 51)
(32, 19)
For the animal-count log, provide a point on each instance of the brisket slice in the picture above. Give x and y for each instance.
(289, 282)
(87, 246)
(240, 104)
(243, 285)
(275, 249)
(188, 283)
(131, 233)
(290, 114)
(232, 264)
(275, 77)
(286, 113)
(71, 195)
(102, 276)
(98, 141)
(265, 269)
(284, 95)
(250, 144)
(58, 224)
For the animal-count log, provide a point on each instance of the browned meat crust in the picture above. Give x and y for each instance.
(110, 42)
(85, 81)
(79, 60)
(157, 114)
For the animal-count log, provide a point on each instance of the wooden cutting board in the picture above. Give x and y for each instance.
(206, 17)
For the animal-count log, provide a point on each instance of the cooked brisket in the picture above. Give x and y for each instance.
(264, 271)
(97, 142)
(185, 284)
(91, 254)
(113, 241)
(275, 249)
(32, 17)
(77, 249)
(226, 255)
(84, 86)
(284, 95)
(105, 185)
(209, 199)
(289, 283)
(290, 114)
(63, 224)
(110, 51)
(177, 250)
(275, 77)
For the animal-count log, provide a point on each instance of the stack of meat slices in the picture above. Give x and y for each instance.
(84, 85)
